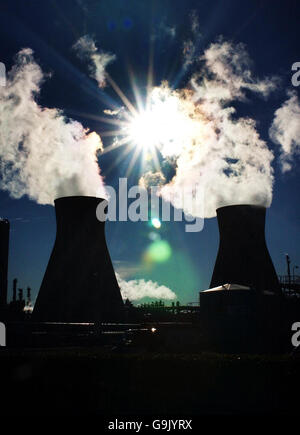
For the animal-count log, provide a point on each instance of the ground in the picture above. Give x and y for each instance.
(108, 381)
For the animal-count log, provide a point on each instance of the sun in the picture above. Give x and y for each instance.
(166, 123)
(158, 123)
(143, 131)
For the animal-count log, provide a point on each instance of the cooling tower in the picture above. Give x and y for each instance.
(79, 284)
(4, 241)
(243, 256)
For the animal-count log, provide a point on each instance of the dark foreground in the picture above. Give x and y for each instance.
(114, 381)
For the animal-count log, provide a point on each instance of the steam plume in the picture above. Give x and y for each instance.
(152, 179)
(285, 130)
(139, 288)
(98, 61)
(213, 147)
(42, 154)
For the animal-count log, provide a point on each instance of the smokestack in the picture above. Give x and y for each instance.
(4, 242)
(28, 295)
(243, 256)
(79, 284)
(20, 294)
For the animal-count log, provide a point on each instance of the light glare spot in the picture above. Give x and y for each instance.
(159, 251)
(156, 223)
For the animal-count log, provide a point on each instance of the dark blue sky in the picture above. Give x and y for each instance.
(269, 30)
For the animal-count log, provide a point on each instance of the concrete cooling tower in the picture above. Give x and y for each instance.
(243, 256)
(79, 284)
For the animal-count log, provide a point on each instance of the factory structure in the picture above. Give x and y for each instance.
(243, 265)
(17, 308)
(243, 303)
(79, 260)
(243, 256)
(244, 306)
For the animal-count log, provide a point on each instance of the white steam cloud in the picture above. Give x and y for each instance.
(229, 67)
(285, 130)
(43, 154)
(86, 49)
(152, 179)
(213, 148)
(137, 289)
(190, 45)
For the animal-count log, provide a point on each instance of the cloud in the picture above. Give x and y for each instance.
(112, 112)
(214, 149)
(171, 31)
(86, 49)
(137, 289)
(190, 45)
(42, 153)
(189, 50)
(163, 30)
(285, 130)
(228, 68)
(150, 179)
(126, 269)
(195, 27)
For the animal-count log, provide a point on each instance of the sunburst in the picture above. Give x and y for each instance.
(159, 122)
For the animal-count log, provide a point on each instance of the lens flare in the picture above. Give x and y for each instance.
(142, 130)
(159, 251)
(156, 223)
(166, 123)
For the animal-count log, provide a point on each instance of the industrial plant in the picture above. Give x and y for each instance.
(245, 309)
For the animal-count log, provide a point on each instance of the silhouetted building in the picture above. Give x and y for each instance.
(243, 257)
(16, 306)
(4, 243)
(241, 309)
(79, 284)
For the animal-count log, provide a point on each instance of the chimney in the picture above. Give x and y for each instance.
(243, 256)
(79, 284)
(4, 242)
(28, 295)
(20, 294)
